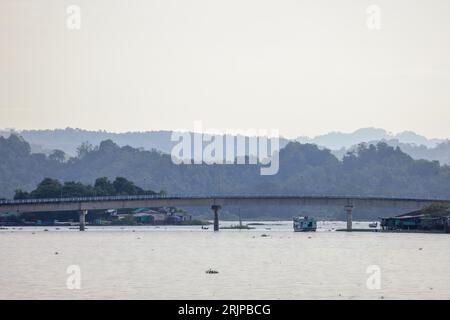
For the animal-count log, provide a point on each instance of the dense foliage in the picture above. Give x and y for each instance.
(69, 141)
(53, 188)
(375, 170)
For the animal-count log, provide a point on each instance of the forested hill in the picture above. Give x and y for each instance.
(375, 170)
(67, 140)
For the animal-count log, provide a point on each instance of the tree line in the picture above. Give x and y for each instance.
(53, 188)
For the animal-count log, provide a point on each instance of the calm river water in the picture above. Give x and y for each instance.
(269, 262)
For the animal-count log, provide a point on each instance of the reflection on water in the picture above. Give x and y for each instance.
(170, 263)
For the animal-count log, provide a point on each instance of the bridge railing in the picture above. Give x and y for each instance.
(199, 196)
(83, 199)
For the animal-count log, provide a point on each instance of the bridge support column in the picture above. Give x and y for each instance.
(216, 216)
(82, 219)
(348, 210)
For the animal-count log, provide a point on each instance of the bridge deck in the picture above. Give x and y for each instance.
(122, 202)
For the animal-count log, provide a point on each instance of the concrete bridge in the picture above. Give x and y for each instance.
(216, 202)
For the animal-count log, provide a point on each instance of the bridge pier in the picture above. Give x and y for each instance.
(349, 209)
(82, 219)
(216, 208)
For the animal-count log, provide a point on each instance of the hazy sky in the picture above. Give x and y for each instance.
(303, 67)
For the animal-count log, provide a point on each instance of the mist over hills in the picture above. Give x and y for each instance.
(441, 152)
(338, 140)
(69, 139)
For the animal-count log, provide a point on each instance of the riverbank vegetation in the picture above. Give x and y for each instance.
(53, 188)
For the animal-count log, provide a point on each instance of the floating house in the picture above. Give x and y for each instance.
(302, 224)
(144, 218)
(417, 220)
(160, 216)
(9, 218)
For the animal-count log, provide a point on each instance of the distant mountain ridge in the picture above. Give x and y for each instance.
(67, 140)
(441, 152)
(339, 140)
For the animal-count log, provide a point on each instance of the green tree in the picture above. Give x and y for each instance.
(77, 189)
(123, 186)
(84, 149)
(58, 156)
(104, 187)
(20, 194)
(47, 188)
